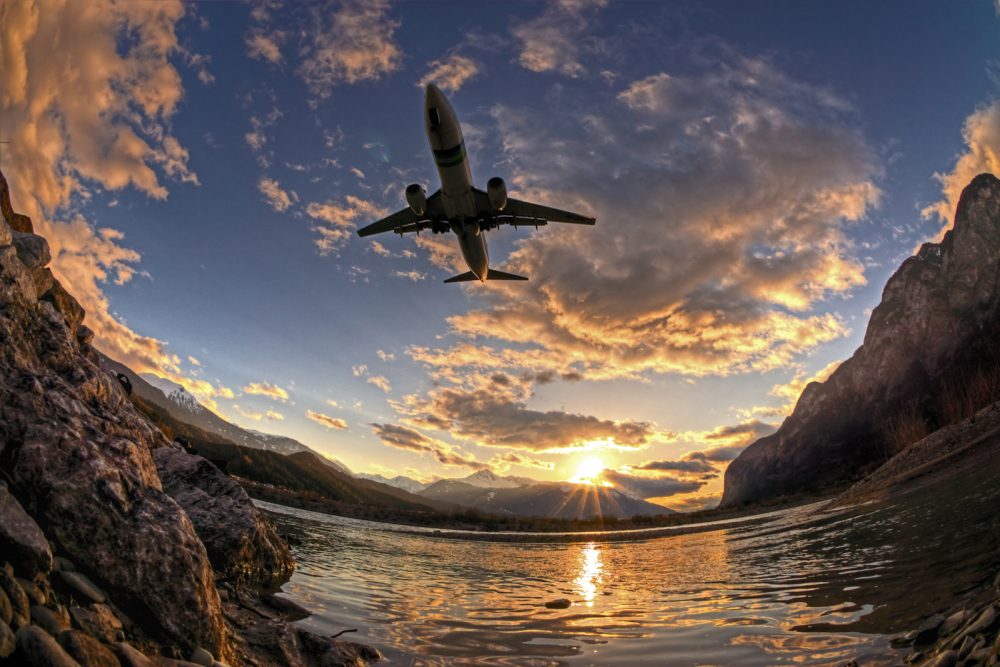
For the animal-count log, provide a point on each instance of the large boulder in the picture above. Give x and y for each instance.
(242, 544)
(79, 459)
(936, 329)
(21, 538)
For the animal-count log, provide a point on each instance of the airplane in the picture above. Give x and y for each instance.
(458, 206)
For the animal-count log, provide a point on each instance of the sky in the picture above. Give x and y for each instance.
(757, 170)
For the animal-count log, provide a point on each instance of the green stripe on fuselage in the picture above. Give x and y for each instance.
(450, 157)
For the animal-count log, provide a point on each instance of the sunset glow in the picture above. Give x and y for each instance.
(589, 472)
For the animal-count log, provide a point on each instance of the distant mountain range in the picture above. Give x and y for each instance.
(288, 463)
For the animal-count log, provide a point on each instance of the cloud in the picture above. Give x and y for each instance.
(555, 39)
(409, 439)
(351, 44)
(720, 454)
(450, 73)
(74, 130)
(744, 432)
(335, 423)
(503, 462)
(357, 172)
(413, 276)
(385, 356)
(269, 415)
(695, 503)
(981, 134)
(650, 487)
(267, 389)
(276, 197)
(380, 381)
(725, 194)
(492, 412)
(265, 47)
(791, 390)
(359, 370)
(690, 465)
(338, 219)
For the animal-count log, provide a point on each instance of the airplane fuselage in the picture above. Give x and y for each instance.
(457, 195)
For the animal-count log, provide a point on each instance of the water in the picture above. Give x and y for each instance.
(806, 586)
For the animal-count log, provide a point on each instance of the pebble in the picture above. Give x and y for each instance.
(7, 641)
(36, 648)
(48, 620)
(17, 597)
(966, 647)
(200, 656)
(170, 662)
(561, 603)
(98, 621)
(946, 659)
(928, 630)
(81, 584)
(984, 621)
(63, 564)
(954, 621)
(33, 592)
(129, 656)
(6, 612)
(87, 650)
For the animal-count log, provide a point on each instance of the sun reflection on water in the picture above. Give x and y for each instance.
(590, 576)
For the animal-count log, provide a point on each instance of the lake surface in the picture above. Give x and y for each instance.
(806, 586)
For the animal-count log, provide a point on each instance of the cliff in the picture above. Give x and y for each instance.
(929, 358)
(117, 543)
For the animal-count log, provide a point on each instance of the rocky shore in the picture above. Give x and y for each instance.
(117, 546)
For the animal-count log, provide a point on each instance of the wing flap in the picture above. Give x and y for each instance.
(406, 221)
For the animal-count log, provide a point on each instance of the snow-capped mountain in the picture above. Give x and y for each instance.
(175, 393)
(487, 479)
(399, 481)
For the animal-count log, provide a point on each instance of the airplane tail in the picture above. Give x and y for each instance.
(492, 274)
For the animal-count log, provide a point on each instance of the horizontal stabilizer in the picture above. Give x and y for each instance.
(493, 274)
(463, 277)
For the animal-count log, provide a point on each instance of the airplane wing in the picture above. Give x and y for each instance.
(405, 221)
(517, 213)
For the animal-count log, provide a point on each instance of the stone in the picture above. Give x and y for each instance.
(944, 659)
(17, 286)
(67, 306)
(200, 656)
(129, 656)
(98, 621)
(82, 587)
(983, 622)
(86, 650)
(63, 564)
(965, 648)
(170, 662)
(21, 223)
(19, 603)
(954, 622)
(49, 620)
(43, 279)
(6, 611)
(34, 593)
(37, 648)
(242, 544)
(32, 250)
(7, 641)
(84, 335)
(5, 232)
(21, 538)
(937, 320)
(561, 603)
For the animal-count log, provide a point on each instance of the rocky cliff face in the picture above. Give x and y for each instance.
(935, 330)
(84, 476)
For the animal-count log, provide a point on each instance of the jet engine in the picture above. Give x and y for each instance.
(416, 198)
(497, 191)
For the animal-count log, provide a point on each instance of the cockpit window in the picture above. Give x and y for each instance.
(435, 119)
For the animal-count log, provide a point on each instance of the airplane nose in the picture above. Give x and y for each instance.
(433, 95)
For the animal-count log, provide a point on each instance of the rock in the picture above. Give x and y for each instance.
(6, 611)
(84, 335)
(86, 650)
(7, 641)
(983, 622)
(954, 622)
(996, 581)
(938, 318)
(21, 538)
(19, 604)
(32, 250)
(944, 659)
(36, 648)
(34, 593)
(200, 656)
(965, 648)
(18, 222)
(5, 232)
(82, 587)
(63, 564)
(285, 608)
(561, 603)
(129, 656)
(67, 306)
(170, 662)
(98, 621)
(241, 543)
(49, 620)
(17, 285)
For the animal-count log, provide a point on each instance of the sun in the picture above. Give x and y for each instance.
(589, 471)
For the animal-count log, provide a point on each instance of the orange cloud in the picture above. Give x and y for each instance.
(267, 389)
(450, 73)
(338, 220)
(335, 423)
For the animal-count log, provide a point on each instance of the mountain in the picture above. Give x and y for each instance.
(487, 479)
(181, 405)
(399, 481)
(931, 357)
(544, 499)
